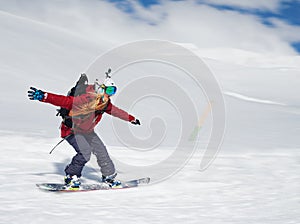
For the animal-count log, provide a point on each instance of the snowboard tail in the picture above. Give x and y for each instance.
(92, 187)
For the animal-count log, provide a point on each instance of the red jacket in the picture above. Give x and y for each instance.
(88, 122)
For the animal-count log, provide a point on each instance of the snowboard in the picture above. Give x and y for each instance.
(92, 187)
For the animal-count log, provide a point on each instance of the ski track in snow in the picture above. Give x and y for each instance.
(252, 99)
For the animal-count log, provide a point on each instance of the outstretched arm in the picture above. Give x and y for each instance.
(117, 112)
(58, 100)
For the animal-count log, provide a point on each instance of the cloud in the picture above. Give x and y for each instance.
(286, 31)
(265, 5)
(179, 21)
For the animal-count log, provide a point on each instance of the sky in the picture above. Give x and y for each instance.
(286, 10)
(268, 27)
(269, 12)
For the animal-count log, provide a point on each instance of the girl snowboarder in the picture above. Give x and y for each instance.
(83, 110)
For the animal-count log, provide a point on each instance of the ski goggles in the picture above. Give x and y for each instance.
(109, 90)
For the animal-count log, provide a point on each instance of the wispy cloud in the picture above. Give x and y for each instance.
(182, 21)
(267, 5)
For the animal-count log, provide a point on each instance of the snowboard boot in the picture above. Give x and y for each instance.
(72, 182)
(111, 181)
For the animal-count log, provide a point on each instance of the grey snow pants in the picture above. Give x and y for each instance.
(85, 145)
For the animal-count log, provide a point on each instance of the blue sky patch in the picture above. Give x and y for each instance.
(126, 6)
(289, 11)
(148, 3)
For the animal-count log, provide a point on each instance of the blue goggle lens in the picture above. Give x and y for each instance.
(110, 90)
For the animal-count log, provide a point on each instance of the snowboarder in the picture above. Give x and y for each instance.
(84, 111)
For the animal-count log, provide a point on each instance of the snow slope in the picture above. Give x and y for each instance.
(254, 179)
(254, 187)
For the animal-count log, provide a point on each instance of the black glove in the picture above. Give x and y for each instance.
(136, 122)
(36, 94)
